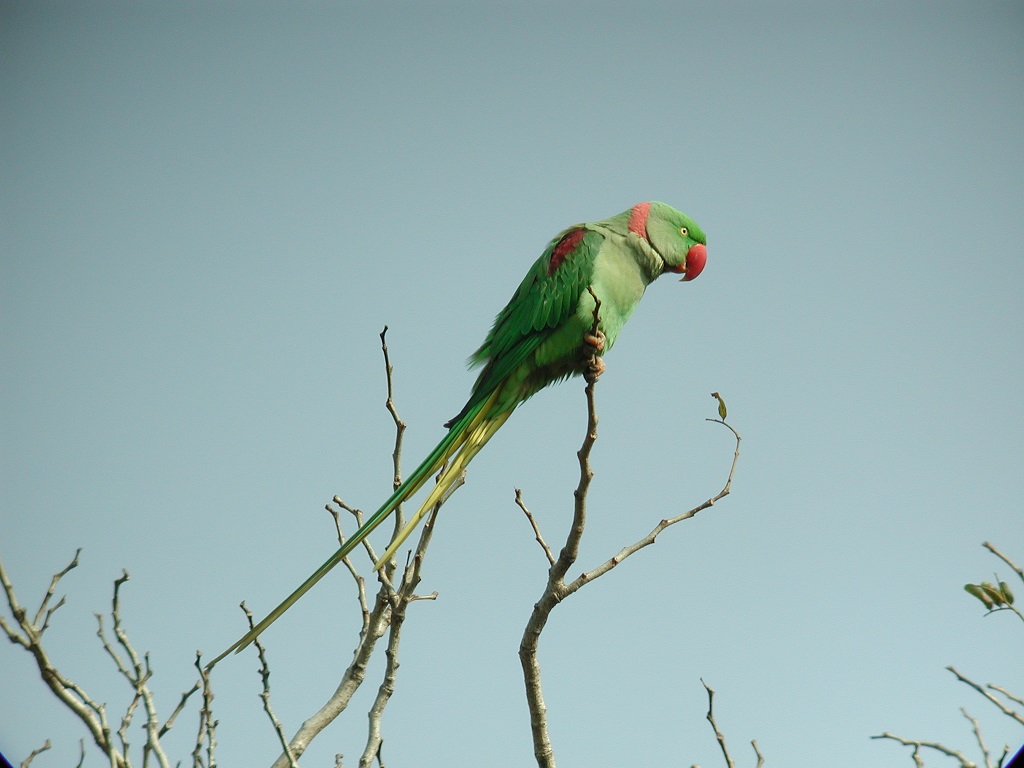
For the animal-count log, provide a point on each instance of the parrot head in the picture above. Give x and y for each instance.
(677, 239)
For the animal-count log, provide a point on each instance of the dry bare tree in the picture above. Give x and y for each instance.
(383, 618)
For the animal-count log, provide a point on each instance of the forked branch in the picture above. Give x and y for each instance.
(136, 669)
(556, 588)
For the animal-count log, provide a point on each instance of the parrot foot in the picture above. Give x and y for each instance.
(595, 340)
(595, 367)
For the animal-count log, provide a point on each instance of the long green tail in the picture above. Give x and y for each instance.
(465, 429)
(475, 437)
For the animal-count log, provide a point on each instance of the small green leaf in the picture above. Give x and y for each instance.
(721, 405)
(993, 592)
(1007, 594)
(978, 592)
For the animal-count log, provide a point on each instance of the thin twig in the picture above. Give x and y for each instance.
(367, 545)
(714, 726)
(1006, 693)
(139, 677)
(976, 727)
(364, 606)
(32, 755)
(1016, 568)
(760, 757)
(536, 528)
(265, 693)
(401, 596)
(206, 733)
(917, 745)
(49, 592)
(588, 576)
(405, 594)
(1002, 707)
(396, 455)
(177, 710)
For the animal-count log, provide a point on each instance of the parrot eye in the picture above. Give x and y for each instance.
(684, 231)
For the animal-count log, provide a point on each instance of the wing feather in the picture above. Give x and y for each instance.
(547, 296)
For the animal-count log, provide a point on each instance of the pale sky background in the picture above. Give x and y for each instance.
(209, 211)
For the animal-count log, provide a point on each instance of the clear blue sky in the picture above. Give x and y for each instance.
(209, 211)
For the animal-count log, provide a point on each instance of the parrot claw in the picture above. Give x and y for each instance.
(595, 367)
(595, 340)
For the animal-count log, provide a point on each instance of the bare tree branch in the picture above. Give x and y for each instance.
(49, 593)
(918, 745)
(138, 675)
(92, 714)
(115, 745)
(386, 616)
(588, 576)
(1006, 693)
(396, 455)
(554, 592)
(265, 693)
(719, 736)
(1002, 707)
(364, 607)
(35, 752)
(207, 732)
(178, 709)
(536, 528)
(406, 594)
(976, 727)
(1016, 568)
(760, 757)
(556, 588)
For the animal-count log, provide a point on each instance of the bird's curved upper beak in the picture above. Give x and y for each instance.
(696, 258)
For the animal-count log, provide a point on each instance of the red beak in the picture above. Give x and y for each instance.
(696, 258)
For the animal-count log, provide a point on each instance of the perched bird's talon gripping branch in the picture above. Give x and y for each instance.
(543, 335)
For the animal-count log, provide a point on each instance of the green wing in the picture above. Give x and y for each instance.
(548, 295)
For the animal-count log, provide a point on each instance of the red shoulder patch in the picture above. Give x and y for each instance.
(638, 219)
(565, 246)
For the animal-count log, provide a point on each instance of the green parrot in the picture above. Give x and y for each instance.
(543, 335)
